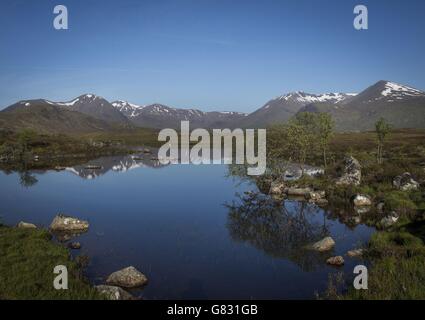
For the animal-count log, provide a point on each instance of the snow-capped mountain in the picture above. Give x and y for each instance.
(162, 116)
(97, 107)
(130, 110)
(401, 105)
(284, 107)
(392, 92)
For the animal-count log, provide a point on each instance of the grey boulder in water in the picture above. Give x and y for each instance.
(68, 224)
(129, 277)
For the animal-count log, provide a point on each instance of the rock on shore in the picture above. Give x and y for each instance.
(389, 220)
(360, 200)
(129, 277)
(405, 182)
(65, 223)
(26, 225)
(114, 293)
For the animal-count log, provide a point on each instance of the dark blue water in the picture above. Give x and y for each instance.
(172, 224)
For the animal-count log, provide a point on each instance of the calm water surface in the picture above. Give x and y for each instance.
(173, 223)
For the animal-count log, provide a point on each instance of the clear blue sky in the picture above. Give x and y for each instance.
(207, 54)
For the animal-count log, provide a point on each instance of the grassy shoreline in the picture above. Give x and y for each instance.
(28, 257)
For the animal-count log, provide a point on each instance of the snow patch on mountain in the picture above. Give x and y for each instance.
(395, 91)
(307, 98)
(129, 109)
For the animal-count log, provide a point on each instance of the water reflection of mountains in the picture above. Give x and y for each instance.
(101, 166)
(94, 168)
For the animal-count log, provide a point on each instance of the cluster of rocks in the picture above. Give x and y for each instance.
(363, 203)
(327, 244)
(128, 278)
(280, 190)
(405, 182)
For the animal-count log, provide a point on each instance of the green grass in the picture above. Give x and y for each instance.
(27, 260)
(397, 269)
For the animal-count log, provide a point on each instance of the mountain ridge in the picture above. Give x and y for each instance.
(402, 105)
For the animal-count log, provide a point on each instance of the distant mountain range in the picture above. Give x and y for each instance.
(161, 116)
(402, 106)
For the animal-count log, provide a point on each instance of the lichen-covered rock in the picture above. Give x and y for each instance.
(352, 173)
(360, 200)
(389, 220)
(323, 245)
(127, 278)
(405, 182)
(114, 293)
(336, 261)
(26, 225)
(65, 223)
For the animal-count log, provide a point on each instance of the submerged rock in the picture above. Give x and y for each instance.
(114, 293)
(352, 173)
(360, 200)
(298, 192)
(74, 245)
(356, 253)
(325, 244)
(66, 223)
(405, 182)
(336, 261)
(26, 225)
(129, 277)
